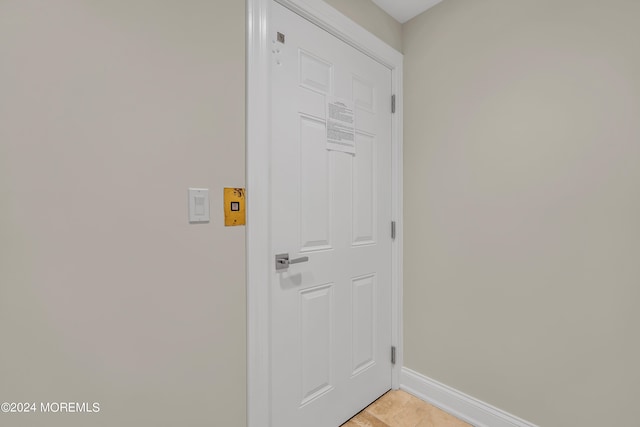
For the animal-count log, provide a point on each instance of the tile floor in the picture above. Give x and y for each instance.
(397, 408)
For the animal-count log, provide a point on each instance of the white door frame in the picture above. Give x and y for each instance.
(259, 264)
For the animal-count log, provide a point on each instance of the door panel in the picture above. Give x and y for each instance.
(315, 187)
(363, 322)
(364, 190)
(316, 308)
(331, 315)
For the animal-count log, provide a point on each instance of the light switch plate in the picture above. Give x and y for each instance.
(198, 205)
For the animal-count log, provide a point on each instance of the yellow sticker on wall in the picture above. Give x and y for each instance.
(234, 206)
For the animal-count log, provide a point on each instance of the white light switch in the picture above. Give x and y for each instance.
(198, 205)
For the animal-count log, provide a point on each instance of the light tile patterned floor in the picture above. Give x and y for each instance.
(400, 409)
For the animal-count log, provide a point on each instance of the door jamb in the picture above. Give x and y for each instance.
(258, 101)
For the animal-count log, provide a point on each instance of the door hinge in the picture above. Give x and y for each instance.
(393, 103)
(393, 355)
(393, 230)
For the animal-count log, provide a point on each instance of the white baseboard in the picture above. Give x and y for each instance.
(456, 403)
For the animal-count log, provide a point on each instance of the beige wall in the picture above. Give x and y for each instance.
(522, 142)
(373, 19)
(109, 111)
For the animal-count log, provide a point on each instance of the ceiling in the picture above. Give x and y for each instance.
(403, 10)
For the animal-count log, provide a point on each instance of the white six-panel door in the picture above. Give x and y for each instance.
(331, 315)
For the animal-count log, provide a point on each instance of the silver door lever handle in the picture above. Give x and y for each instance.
(283, 261)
